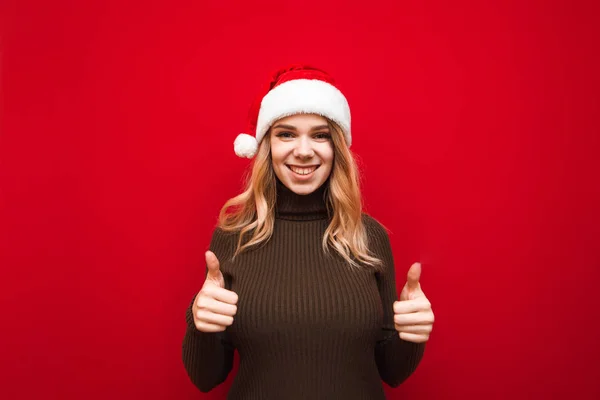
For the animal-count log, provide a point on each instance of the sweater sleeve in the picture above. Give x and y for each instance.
(396, 358)
(208, 356)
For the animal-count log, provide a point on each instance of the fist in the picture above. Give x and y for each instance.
(413, 316)
(214, 306)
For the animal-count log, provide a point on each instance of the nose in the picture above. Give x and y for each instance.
(304, 148)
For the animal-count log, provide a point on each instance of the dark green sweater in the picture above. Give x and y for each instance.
(307, 326)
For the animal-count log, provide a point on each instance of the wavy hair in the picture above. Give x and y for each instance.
(252, 213)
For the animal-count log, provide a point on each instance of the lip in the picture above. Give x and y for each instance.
(303, 166)
(302, 177)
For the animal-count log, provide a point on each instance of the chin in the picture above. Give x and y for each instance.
(303, 189)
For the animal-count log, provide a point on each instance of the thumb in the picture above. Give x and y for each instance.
(212, 263)
(413, 276)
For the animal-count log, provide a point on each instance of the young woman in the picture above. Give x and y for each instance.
(299, 280)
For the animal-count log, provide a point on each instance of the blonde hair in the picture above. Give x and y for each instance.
(253, 211)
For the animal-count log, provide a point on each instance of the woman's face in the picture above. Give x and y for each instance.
(302, 152)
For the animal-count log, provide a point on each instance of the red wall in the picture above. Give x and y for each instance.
(475, 123)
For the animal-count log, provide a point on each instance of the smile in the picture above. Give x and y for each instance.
(303, 170)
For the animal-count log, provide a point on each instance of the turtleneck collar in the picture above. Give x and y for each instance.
(293, 206)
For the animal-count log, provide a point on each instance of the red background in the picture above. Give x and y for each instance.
(475, 125)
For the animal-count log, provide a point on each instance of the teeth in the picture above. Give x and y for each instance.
(303, 171)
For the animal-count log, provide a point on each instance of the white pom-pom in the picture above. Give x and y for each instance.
(245, 145)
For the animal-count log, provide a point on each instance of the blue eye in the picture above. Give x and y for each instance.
(319, 136)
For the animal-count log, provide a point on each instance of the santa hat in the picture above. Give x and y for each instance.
(296, 89)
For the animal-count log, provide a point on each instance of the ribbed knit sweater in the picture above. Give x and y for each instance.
(307, 325)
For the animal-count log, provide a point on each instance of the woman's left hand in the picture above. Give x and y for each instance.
(413, 316)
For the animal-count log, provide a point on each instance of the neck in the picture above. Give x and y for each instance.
(292, 206)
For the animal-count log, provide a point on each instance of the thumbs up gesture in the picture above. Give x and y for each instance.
(214, 306)
(413, 316)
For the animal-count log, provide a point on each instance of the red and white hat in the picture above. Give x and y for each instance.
(296, 89)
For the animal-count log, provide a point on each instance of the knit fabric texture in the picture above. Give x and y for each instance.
(307, 325)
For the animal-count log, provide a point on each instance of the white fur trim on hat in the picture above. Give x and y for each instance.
(304, 96)
(245, 145)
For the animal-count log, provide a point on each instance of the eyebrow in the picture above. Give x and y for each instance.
(293, 128)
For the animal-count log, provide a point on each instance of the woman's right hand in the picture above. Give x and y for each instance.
(214, 306)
